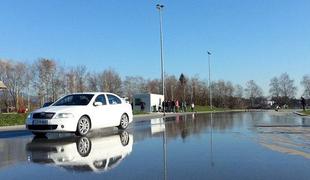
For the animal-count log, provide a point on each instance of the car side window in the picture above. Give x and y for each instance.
(101, 98)
(113, 99)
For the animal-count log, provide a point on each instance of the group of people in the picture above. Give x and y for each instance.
(174, 106)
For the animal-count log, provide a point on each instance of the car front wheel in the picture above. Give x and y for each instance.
(83, 126)
(83, 146)
(124, 122)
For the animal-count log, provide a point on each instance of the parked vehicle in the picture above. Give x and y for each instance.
(80, 113)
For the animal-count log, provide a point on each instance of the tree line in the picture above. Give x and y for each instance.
(30, 85)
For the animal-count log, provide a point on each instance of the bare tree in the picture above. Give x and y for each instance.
(253, 91)
(29, 78)
(110, 81)
(46, 69)
(62, 81)
(71, 81)
(152, 86)
(80, 78)
(287, 87)
(223, 94)
(306, 84)
(171, 83)
(238, 91)
(134, 85)
(275, 90)
(92, 81)
(238, 94)
(13, 76)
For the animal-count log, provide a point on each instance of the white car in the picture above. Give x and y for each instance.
(80, 113)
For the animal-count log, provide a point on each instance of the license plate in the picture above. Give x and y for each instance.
(39, 122)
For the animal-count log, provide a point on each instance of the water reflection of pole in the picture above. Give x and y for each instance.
(211, 141)
(165, 151)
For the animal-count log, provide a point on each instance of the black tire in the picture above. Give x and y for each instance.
(124, 122)
(124, 137)
(83, 146)
(39, 134)
(83, 126)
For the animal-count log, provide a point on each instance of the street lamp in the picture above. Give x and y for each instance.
(210, 90)
(160, 8)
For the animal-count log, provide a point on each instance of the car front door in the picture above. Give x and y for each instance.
(102, 112)
(115, 105)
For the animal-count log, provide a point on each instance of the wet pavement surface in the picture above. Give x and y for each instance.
(248, 145)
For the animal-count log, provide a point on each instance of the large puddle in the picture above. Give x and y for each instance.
(249, 145)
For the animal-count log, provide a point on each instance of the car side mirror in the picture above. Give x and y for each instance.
(97, 103)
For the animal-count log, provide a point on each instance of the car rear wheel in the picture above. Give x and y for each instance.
(83, 126)
(124, 137)
(124, 122)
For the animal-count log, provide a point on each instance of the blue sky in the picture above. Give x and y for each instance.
(249, 39)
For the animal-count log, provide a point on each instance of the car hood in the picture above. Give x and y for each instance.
(59, 109)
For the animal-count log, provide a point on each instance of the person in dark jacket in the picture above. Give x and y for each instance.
(303, 103)
(173, 106)
(142, 106)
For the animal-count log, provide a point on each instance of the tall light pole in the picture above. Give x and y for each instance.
(210, 89)
(160, 8)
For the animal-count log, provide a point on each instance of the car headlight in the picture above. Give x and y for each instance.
(29, 115)
(64, 115)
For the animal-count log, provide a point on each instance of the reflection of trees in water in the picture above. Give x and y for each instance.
(183, 126)
(305, 121)
(284, 119)
(12, 151)
(144, 132)
(186, 125)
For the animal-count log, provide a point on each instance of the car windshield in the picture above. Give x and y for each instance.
(74, 100)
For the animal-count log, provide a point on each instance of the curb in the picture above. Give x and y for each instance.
(300, 114)
(12, 128)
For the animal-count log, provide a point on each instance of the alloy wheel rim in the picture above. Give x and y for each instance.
(84, 126)
(124, 138)
(84, 146)
(124, 121)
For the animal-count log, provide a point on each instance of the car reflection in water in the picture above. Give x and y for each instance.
(95, 154)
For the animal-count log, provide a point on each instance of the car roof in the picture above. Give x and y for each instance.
(94, 93)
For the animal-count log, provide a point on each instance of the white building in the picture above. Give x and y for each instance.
(151, 102)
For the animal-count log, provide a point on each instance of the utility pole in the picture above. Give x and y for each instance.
(210, 89)
(160, 8)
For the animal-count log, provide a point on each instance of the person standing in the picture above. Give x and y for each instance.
(303, 103)
(173, 106)
(177, 105)
(192, 106)
(182, 106)
(163, 105)
(142, 106)
(169, 106)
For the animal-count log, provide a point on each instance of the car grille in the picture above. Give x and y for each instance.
(42, 127)
(43, 115)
